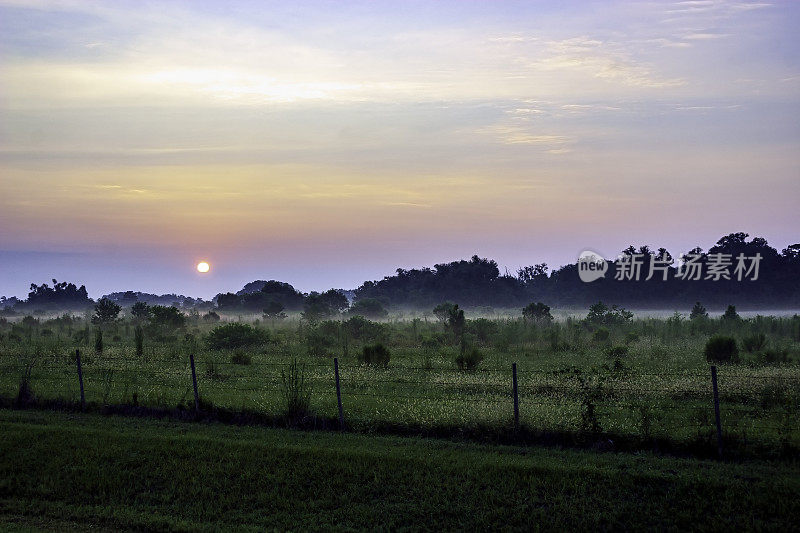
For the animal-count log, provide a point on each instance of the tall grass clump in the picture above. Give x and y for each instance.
(138, 339)
(98, 340)
(754, 343)
(375, 354)
(296, 393)
(25, 392)
(469, 360)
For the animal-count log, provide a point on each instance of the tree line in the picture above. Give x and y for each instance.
(662, 281)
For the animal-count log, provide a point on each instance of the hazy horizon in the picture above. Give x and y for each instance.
(325, 144)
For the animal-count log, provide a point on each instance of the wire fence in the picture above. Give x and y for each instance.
(755, 406)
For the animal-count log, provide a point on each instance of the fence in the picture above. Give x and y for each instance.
(744, 407)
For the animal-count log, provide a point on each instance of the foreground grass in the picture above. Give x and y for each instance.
(71, 471)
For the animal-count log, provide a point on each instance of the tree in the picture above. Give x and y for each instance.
(166, 318)
(274, 309)
(601, 315)
(105, 312)
(140, 311)
(368, 308)
(537, 312)
(730, 314)
(319, 306)
(60, 295)
(444, 311)
(698, 312)
(532, 274)
(452, 317)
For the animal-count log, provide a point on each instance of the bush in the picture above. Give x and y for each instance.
(234, 335)
(616, 352)
(376, 354)
(721, 349)
(469, 360)
(359, 328)
(537, 312)
(754, 343)
(602, 315)
(775, 355)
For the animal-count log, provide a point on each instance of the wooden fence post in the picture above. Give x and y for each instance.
(516, 396)
(80, 379)
(194, 384)
(716, 409)
(338, 392)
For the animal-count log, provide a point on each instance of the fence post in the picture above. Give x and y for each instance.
(194, 384)
(716, 409)
(338, 392)
(516, 396)
(80, 379)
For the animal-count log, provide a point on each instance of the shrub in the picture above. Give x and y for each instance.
(360, 328)
(602, 315)
(376, 354)
(754, 343)
(537, 312)
(234, 335)
(721, 349)
(774, 355)
(166, 319)
(469, 360)
(616, 352)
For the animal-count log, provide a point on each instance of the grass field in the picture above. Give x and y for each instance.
(63, 472)
(644, 382)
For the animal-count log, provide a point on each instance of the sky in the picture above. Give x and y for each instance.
(328, 143)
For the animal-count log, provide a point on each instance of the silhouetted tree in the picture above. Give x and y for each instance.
(105, 312)
(140, 311)
(369, 308)
(698, 312)
(537, 312)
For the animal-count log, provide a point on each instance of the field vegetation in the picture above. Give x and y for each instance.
(608, 380)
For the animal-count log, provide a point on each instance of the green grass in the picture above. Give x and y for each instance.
(660, 391)
(75, 471)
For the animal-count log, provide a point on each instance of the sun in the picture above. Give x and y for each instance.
(203, 267)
